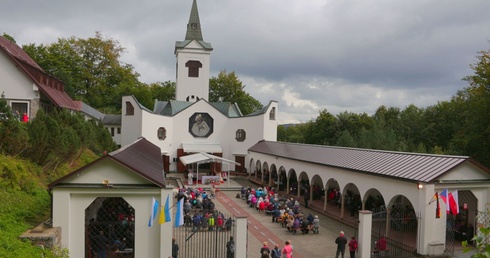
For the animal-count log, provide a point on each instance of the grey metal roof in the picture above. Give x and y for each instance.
(401, 165)
(227, 108)
(91, 111)
(194, 31)
(141, 156)
(110, 119)
(262, 110)
(170, 108)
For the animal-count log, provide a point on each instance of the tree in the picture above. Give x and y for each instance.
(228, 88)
(13, 134)
(379, 137)
(324, 130)
(473, 137)
(353, 123)
(346, 140)
(90, 68)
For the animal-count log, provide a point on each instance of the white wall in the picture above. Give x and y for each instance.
(15, 84)
(198, 86)
(69, 213)
(146, 124)
(130, 124)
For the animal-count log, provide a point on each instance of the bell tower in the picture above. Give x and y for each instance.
(193, 62)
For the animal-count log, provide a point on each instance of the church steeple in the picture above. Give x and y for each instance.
(193, 62)
(194, 26)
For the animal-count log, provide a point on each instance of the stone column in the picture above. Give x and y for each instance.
(342, 197)
(241, 237)
(325, 199)
(365, 226)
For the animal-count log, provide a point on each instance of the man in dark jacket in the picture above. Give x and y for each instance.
(230, 248)
(341, 241)
(175, 249)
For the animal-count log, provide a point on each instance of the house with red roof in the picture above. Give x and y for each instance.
(26, 86)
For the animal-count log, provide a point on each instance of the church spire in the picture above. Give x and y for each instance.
(194, 26)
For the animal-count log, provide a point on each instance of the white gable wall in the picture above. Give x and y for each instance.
(131, 125)
(465, 171)
(69, 206)
(107, 170)
(15, 84)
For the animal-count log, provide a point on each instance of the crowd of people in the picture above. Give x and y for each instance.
(286, 211)
(200, 212)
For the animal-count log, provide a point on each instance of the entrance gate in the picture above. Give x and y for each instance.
(399, 228)
(209, 238)
(109, 228)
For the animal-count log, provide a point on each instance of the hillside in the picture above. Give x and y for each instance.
(27, 202)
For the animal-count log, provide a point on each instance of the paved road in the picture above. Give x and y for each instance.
(261, 228)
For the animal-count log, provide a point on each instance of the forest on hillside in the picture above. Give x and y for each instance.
(460, 126)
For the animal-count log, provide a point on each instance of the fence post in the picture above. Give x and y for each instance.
(365, 226)
(241, 237)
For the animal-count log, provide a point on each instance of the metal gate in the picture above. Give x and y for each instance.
(450, 235)
(206, 238)
(394, 232)
(483, 221)
(109, 228)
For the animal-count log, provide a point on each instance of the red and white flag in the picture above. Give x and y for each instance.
(454, 202)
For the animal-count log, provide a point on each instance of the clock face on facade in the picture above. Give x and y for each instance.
(194, 26)
(201, 125)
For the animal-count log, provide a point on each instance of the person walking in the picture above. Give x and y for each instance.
(265, 251)
(276, 252)
(353, 247)
(230, 248)
(341, 242)
(316, 225)
(287, 251)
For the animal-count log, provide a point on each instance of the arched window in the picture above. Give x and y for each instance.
(272, 114)
(129, 109)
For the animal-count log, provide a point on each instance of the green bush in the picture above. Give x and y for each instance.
(481, 242)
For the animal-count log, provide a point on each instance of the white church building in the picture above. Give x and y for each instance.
(192, 124)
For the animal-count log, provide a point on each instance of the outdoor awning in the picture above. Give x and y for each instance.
(202, 147)
(204, 158)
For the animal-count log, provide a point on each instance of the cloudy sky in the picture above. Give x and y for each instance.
(338, 55)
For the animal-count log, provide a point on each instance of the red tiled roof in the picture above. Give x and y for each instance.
(402, 165)
(50, 86)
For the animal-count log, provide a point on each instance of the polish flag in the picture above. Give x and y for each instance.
(454, 202)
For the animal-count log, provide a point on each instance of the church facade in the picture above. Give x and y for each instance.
(190, 123)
